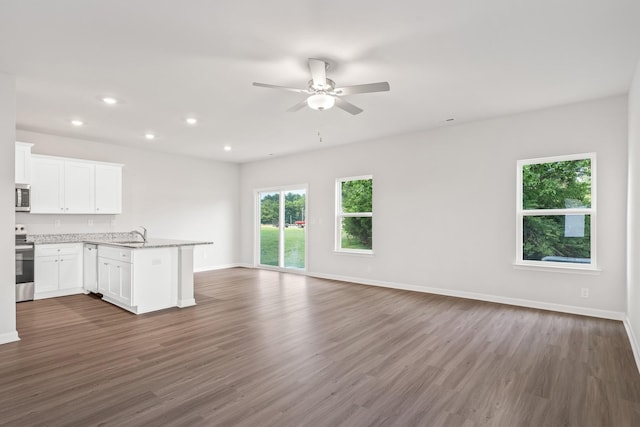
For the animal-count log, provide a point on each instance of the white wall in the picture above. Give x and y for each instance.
(7, 248)
(633, 233)
(444, 206)
(173, 196)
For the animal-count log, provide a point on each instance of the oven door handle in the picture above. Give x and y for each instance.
(23, 247)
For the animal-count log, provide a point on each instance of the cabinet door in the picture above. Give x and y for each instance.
(79, 192)
(90, 269)
(104, 273)
(46, 273)
(47, 190)
(70, 271)
(114, 281)
(108, 189)
(23, 163)
(124, 275)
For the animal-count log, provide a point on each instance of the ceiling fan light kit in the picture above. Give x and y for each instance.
(323, 93)
(321, 101)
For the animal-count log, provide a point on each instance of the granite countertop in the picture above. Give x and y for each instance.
(123, 240)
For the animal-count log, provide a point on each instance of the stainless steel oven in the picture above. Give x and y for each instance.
(24, 266)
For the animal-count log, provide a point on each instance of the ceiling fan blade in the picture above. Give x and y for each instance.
(318, 70)
(290, 89)
(347, 106)
(366, 88)
(299, 106)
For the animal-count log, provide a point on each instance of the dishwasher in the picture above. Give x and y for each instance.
(90, 270)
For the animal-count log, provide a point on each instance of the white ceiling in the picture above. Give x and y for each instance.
(166, 59)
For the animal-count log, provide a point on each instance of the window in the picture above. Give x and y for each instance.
(354, 214)
(556, 212)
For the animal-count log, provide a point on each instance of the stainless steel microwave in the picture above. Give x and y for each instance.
(23, 198)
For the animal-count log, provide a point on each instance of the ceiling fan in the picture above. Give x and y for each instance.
(323, 93)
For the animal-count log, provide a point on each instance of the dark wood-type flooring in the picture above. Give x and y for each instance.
(264, 348)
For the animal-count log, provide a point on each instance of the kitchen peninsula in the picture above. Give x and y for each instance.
(137, 275)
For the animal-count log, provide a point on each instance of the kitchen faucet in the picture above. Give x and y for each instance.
(143, 234)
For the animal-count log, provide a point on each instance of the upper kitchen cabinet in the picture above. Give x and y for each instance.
(47, 184)
(23, 163)
(73, 186)
(108, 185)
(79, 187)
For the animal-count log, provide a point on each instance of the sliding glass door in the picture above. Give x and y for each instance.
(282, 228)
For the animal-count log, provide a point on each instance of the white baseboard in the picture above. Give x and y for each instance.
(635, 348)
(186, 303)
(592, 312)
(9, 337)
(216, 267)
(58, 293)
(245, 265)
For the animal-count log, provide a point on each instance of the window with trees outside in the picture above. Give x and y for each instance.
(556, 212)
(354, 214)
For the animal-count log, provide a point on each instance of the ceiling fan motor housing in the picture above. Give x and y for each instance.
(328, 87)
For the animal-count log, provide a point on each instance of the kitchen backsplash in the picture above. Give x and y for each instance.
(69, 224)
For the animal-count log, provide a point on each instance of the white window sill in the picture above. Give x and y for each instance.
(558, 268)
(367, 254)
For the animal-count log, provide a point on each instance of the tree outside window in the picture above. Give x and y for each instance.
(354, 226)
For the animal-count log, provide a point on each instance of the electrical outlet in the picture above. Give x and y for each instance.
(57, 223)
(584, 292)
(90, 223)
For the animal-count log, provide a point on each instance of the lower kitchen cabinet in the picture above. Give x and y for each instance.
(138, 280)
(58, 270)
(114, 275)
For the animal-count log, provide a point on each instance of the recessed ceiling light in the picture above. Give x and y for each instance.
(109, 100)
(227, 148)
(77, 122)
(191, 120)
(149, 135)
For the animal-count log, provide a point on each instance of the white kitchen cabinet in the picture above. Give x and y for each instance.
(90, 268)
(58, 270)
(114, 275)
(108, 189)
(47, 185)
(23, 163)
(46, 273)
(73, 186)
(114, 280)
(138, 280)
(79, 182)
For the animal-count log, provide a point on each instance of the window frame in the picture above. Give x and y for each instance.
(521, 213)
(340, 215)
